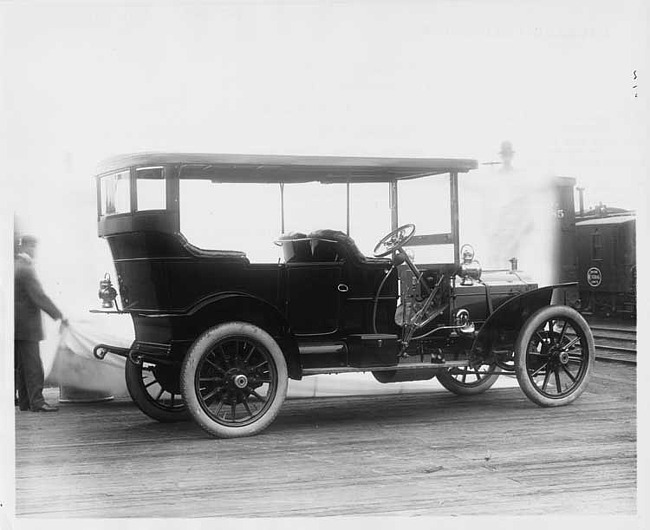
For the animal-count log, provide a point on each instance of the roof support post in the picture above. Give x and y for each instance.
(455, 224)
(173, 189)
(282, 207)
(347, 190)
(392, 202)
(133, 190)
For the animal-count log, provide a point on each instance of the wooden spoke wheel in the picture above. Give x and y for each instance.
(234, 379)
(155, 390)
(554, 356)
(468, 380)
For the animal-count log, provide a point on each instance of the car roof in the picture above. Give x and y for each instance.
(289, 168)
(612, 220)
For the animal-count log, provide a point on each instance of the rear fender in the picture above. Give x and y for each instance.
(502, 327)
(235, 306)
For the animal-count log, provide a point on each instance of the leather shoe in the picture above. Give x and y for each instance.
(46, 407)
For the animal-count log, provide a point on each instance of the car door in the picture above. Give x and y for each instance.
(313, 297)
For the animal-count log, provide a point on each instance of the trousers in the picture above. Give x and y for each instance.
(29, 374)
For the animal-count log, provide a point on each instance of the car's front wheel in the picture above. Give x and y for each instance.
(554, 356)
(234, 380)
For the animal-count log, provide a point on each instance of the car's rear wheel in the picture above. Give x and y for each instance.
(234, 380)
(468, 380)
(554, 356)
(155, 389)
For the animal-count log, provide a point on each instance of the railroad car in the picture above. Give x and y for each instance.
(607, 264)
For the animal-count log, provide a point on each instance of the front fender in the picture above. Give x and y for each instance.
(503, 325)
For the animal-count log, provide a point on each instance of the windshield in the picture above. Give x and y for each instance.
(426, 203)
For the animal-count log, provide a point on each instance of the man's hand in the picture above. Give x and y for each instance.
(63, 323)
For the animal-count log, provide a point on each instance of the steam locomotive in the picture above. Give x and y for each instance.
(597, 249)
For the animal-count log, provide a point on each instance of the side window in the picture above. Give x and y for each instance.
(151, 191)
(369, 214)
(596, 245)
(227, 216)
(115, 194)
(310, 206)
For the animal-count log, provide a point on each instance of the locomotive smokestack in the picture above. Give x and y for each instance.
(581, 197)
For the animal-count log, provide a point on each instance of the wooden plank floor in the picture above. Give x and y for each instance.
(408, 454)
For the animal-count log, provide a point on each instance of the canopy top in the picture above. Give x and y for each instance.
(289, 168)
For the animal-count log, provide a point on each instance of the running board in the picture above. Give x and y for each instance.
(405, 366)
(321, 348)
(368, 339)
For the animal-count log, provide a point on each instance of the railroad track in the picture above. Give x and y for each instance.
(615, 343)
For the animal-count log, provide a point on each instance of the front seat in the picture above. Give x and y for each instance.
(334, 245)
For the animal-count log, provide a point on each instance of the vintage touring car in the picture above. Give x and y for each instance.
(218, 334)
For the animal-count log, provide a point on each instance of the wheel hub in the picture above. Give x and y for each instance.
(240, 381)
(557, 356)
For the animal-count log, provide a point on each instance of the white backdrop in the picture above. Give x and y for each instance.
(84, 80)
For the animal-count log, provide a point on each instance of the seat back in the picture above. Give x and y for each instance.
(334, 245)
(296, 247)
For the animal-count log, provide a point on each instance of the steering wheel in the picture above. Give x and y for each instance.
(393, 241)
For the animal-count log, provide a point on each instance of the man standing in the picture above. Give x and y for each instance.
(522, 223)
(29, 301)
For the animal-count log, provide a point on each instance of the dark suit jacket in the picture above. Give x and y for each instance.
(29, 300)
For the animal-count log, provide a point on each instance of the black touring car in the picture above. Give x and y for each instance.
(218, 334)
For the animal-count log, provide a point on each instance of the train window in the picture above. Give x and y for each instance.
(596, 245)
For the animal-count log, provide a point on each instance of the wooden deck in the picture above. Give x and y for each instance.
(408, 454)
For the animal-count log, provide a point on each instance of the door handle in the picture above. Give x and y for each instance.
(343, 288)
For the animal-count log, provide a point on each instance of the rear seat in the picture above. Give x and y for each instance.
(296, 247)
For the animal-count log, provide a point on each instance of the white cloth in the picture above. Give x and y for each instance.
(75, 366)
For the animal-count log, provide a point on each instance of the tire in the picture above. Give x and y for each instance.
(155, 390)
(555, 348)
(455, 379)
(238, 370)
